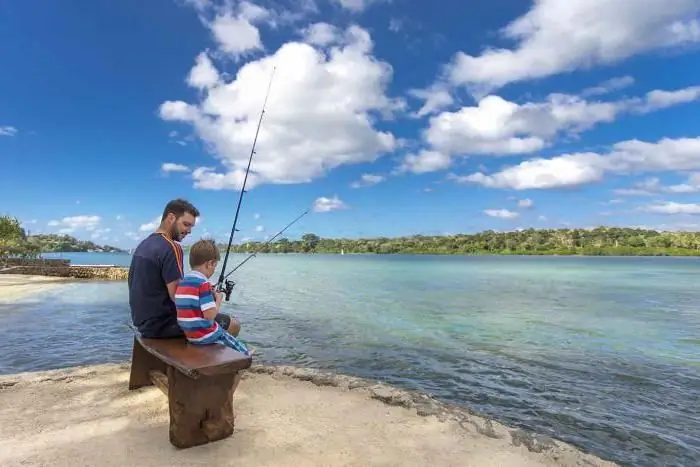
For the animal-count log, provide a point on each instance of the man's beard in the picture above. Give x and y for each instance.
(175, 233)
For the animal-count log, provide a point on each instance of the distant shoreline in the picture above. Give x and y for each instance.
(600, 253)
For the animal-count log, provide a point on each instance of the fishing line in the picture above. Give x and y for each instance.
(222, 284)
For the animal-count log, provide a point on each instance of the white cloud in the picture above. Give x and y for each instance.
(613, 84)
(202, 75)
(150, 226)
(569, 170)
(555, 37)
(525, 203)
(235, 31)
(256, 216)
(8, 131)
(424, 162)
(368, 180)
(72, 223)
(168, 167)
(322, 34)
(99, 234)
(436, 97)
(672, 208)
(496, 126)
(501, 213)
(324, 204)
(562, 171)
(652, 185)
(259, 228)
(355, 6)
(319, 114)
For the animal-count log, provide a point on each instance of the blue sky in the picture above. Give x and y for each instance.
(385, 117)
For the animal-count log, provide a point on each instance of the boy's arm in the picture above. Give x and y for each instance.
(207, 303)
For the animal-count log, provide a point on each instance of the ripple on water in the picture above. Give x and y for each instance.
(597, 352)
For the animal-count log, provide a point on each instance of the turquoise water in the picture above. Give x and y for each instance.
(600, 352)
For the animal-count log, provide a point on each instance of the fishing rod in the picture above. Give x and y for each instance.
(264, 244)
(224, 285)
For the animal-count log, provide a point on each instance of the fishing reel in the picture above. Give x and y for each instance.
(227, 288)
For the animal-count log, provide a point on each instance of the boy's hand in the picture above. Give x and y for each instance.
(218, 297)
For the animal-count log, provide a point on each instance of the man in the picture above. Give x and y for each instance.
(156, 270)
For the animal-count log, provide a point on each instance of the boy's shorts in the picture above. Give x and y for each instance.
(173, 330)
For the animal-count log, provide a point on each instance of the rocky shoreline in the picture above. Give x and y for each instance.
(424, 406)
(75, 271)
(291, 400)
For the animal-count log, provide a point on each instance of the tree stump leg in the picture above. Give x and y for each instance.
(141, 363)
(201, 410)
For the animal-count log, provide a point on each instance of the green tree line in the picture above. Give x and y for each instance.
(599, 241)
(16, 243)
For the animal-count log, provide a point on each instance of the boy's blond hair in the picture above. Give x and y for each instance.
(202, 251)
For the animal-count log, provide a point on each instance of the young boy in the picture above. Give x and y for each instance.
(198, 304)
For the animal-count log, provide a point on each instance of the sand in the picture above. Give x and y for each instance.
(16, 286)
(284, 417)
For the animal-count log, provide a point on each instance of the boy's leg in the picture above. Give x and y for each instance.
(228, 323)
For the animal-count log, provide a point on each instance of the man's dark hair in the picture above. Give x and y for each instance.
(179, 207)
(202, 251)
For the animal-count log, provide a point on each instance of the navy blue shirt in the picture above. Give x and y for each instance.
(155, 262)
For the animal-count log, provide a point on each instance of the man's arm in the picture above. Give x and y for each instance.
(170, 271)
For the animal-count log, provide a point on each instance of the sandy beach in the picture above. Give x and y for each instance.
(284, 416)
(16, 286)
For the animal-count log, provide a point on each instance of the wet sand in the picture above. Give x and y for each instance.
(16, 286)
(284, 416)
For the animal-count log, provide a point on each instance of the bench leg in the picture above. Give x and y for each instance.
(201, 410)
(142, 362)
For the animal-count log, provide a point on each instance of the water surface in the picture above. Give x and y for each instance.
(599, 352)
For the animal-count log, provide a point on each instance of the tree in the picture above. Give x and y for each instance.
(13, 240)
(310, 241)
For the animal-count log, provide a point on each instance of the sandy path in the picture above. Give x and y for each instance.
(86, 416)
(15, 286)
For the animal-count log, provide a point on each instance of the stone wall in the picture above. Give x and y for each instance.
(102, 273)
(8, 262)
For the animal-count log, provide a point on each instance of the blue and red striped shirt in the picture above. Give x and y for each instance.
(192, 298)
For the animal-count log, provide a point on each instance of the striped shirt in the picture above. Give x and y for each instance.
(192, 298)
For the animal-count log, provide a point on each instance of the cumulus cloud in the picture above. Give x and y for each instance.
(324, 204)
(8, 130)
(322, 34)
(368, 180)
(355, 6)
(501, 213)
(576, 169)
(653, 185)
(555, 37)
(150, 226)
(613, 84)
(525, 203)
(71, 224)
(673, 208)
(319, 116)
(168, 167)
(498, 127)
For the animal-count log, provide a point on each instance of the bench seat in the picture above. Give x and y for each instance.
(198, 381)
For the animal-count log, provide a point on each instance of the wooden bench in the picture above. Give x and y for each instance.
(198, 381)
